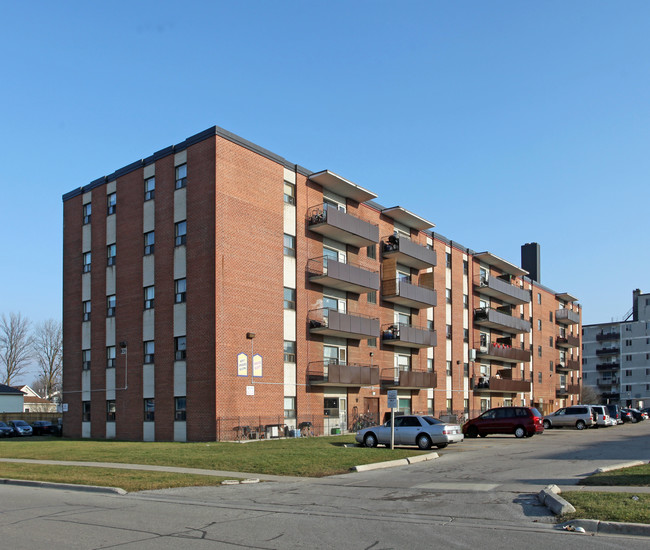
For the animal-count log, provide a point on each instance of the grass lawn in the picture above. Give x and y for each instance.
(637, 476)
(310, 457)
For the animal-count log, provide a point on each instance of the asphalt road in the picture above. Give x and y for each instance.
(478, 494)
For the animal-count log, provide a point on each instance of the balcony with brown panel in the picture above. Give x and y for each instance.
(607, 383)
(608, 366)
(502, 289)
(567, 341)
(494, 319)
(604, 336)
(348, 277)
(338, 225)
(330, 322)
(408, 336)
(569, 364)
(567, 317)
(408, 253)
(407, 379)
(563, 391)
(496, 351)
(402, 290)
(336, 373)
(496, 384)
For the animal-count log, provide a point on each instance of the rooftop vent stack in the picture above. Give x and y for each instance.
(530, 261)
(635, 304)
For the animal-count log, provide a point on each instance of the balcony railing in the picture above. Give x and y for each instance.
(491, 318)
(608, 366)
(335, 373)
(608, 351)
(407, 379)
(342, 276)
(566, 390)
(493, 384)
(567, 341)
(604, 336)
(408, 253)
(607, 382)
(401, 334)
(567, 316)
(336, 224)
(501, 290)
(496, 351)
(330, 322)
(569, 364)
(402, 292)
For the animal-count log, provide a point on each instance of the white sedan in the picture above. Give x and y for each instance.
(420, 430)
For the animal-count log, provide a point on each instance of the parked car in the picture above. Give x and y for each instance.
(20, 427)
(6, 431)
(413, 429)
(626, 415)
(579, 416)
(615, 413)
(637, 415)
(602, 416)
(43, 427)
(520, 421)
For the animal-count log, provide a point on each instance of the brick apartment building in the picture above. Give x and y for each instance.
(215, 290)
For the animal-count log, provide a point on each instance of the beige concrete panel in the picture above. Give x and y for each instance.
(85, 287)
(149, 171)
(148, 382)
(110, 383)
(148, 431)
(87, 197)
(110, 338)
(85, 385)
(290, 379)
(289, 219)
(148, 270)
(180, 158)
(430, 393)
(180, 205)
(180, 319)
(110, 327)
(148, 217)
(180, 431)
(110, 280)
(289, 272)
(289, 325)
(447, 348)
(289, 176)
(86, 244)
(110, 430)
(85, 335)
(180, 265)
(111, 187)
(111, 231)
(180, 378)
(148, 319)
(85, 427)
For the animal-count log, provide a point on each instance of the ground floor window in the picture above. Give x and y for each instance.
(290, 407)
(404, 405)
(485, 405)
(180, 409)
(110, 410)
(149, 406)
(85, 411)
(331, 406)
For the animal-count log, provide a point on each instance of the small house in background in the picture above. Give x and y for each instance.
(11, 399)
(35, 403)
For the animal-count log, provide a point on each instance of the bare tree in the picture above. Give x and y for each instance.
(15, 346)
(39, 385)
(48, 350)
(590, 395)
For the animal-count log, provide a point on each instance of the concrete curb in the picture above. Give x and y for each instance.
(393, 463)
(550, 497)
(597, 527)
(64, 486)
(619, 466)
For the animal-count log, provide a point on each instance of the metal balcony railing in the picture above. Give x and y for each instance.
(402, 334)
(330, 322)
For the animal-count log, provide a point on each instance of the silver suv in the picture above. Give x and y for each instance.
(580, 416)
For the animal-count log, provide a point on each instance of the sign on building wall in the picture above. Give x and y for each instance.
(242, 364)
(257, 365)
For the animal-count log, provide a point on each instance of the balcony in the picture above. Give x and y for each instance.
(604, 336)
(491, 318)
(408, 336)
(566, 390)
(496, 351)
(407, 379)
(347, 277)
(568, 341)
(567, 317)
(404, 293)
(607, 382)
(501, 289)
(569, 364)
(608, 351)
(608, 366)
(332, 373)
(494, 384)
(408, 253)
(336, 224)
(330, 322)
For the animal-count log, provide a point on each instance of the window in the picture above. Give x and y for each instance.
(465, 301)
(465, 335)
(289, 298)
(290, 407)
(430, 325)
(430, 406)
(372, 297)
(628, 372)
(539, 324)
(86, 210)
(149, 241)
(110, 410)
(180, 231)
(550, 341)
(181, 176)
(180, 409)
(149, 188)
(86, 310)
(539, 351)
(111, 200)
(111, 251)
(85, 359)
(149, 297)
(539, 298)
(331, 406)
(180, 286)
(448, 332)
(372, 342)
(466, 369)
(180, 348)
(289, 351)
(539, 377)
(149, 410)
(550, 366)
(628, 358)
(86, 260)
(110, 357)
(110, 305)
(430, 365)
(85, 411)
(466, 405)
(149, 351)
(289, 246)
(448, 295)
(289, 193)
(465, 267)
(448, 368)
(628, 342)
(371, 251)
(550, 316)
(448, 260)
(448, 405)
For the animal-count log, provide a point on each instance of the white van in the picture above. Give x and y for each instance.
(602, 418)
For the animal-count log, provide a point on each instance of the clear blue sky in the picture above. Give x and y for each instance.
(504, 122)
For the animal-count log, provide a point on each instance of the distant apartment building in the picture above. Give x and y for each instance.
(616, 356)
(215, 290)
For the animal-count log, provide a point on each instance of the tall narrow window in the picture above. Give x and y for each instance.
(180, 290)
(180, 409)
(110, 410)
(149, 351)
(290, 407)
(149, 188)
(289, 298)
(180, 348)
(86, 310)
(181, 176)
(289, 246)
(110, 305)
(289, 351)
(110, 357)
(86, 262)
(371, 251)
(87, 210)
(180, 232)
(111, 200)
(149, 241)
(289, 193)
(85, 359)
(111, 252)
(149, 410)
(448, 260)
(85, 411)
(149, 297)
